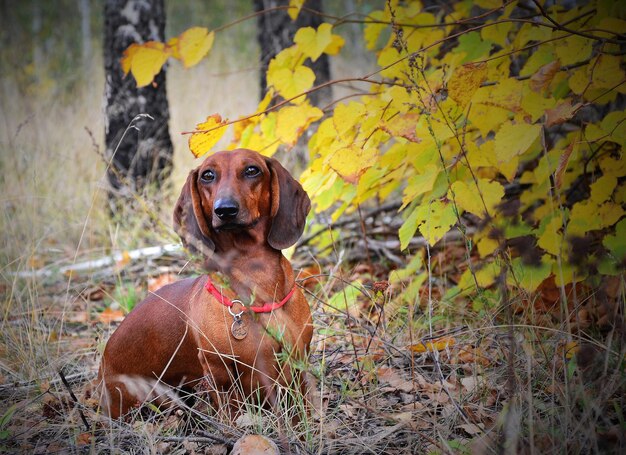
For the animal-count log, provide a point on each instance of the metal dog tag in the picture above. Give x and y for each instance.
(239, 329)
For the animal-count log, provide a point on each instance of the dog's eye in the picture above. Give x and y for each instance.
(252, 171)
(207, 176)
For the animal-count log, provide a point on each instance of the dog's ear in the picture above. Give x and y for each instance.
(289, 207)
(189, 220)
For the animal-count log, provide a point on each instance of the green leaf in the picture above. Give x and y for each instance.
(408, 228)
(529, 277)
(420, 184)
(5, 420)
(346, 298)
(473, 46)
(616, 243)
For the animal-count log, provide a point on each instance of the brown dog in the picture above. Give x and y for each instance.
(240, 209)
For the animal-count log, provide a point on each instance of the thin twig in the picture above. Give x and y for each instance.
(74, 399)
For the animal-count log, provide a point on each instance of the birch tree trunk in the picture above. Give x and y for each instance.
(143, 155)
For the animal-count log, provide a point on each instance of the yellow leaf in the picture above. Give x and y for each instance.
(488, 4)
(565, 273)
(465, 81)
(265, 102)
(394, 63)
(172, 47)
(610, 24)
(468, 196)
(486, 245)
(614, 125)
(552, 239)
(265, 142)
(194, 44)
(420, 183)
(608, 214)
(529, 32)
(207, 134)
(124, 260)
(292, 121)
(512, 140)
(440, 345)
(127, 57)
(265, 145)
(290, 83)
(498, 33)
(487, 118)
(436, 219)
(311, 42)
(536, 104)
(579, 80)
(294, 8)
(403, 125)
(602, 188)
(507, 94)
(351, 162)
(375, 24)
(613, 166)
(336, 43)
(322, 140)
(146, 61)
(588, 216)
(573, 49)
(289, 57)
(346, 117)
(571, 349)
(417, 38)
(245, 125)
(485, 276)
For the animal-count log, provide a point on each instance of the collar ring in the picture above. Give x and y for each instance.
(235, 315)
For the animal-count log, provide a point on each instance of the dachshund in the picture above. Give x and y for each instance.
(237, 336)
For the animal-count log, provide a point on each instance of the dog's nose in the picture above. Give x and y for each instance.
(226, 209)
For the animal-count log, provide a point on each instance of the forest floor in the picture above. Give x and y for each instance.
(386, 377)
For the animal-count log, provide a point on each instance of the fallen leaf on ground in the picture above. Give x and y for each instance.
(394, 379)
(439, 345)
(255, 444)
(109, 315)
(160, 281)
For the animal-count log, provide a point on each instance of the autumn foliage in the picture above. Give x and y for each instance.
(501, 121)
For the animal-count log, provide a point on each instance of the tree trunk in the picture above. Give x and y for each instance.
(144, 154)
(276, 31)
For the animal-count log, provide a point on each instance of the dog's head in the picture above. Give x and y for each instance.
(240, 194)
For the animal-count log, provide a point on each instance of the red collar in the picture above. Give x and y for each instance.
(266, 308)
